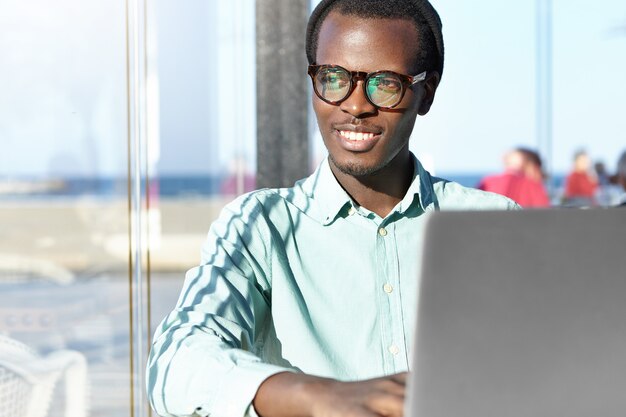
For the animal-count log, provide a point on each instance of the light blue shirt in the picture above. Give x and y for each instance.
(299, 279)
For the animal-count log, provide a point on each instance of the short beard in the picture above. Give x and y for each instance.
(355, 169)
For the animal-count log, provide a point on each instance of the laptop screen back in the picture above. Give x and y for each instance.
(521, 314)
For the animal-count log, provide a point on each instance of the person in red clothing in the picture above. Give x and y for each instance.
(522, 180)
(580, 185)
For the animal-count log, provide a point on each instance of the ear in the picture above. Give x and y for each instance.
(430, 87)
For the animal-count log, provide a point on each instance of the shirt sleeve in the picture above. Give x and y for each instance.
(204, 358)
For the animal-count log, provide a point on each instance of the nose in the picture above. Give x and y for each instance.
(357, 104)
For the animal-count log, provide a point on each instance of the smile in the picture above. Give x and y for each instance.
(358, 136)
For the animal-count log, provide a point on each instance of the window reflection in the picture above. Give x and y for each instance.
(63, 208)
(207, 131)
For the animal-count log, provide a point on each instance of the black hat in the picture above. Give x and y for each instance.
(426, 10)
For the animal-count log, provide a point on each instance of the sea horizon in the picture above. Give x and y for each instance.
(165, 186)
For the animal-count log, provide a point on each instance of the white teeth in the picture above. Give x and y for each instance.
(355, 135)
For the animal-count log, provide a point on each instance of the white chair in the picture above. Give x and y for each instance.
(28, 380)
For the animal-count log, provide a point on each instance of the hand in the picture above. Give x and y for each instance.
(298, 395)
(370, 398)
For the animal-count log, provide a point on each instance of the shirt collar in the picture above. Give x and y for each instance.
(331, 198)
(324, 188)
(422, 186)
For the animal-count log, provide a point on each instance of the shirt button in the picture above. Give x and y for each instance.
(351, 211)
(382, 231)
(393, 349)
(388, 288)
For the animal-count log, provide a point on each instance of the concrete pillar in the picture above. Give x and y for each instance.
(282, 86)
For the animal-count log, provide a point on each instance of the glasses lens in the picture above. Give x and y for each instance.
(333, 84)
(384, 89)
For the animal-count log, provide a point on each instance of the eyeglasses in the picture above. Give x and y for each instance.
(383, 89)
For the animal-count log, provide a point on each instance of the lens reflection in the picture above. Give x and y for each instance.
(384, 89)
(333, 83)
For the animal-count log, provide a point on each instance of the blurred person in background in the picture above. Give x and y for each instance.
(621, 177)
(601, 173)
(522, 179)
(603, 193)
(581, 183)
(239, 179)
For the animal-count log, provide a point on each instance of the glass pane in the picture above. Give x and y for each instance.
(485, 102)
(64, 311)
(589, 90)
(204, 63)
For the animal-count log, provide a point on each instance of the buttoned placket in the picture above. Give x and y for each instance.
(389, 297)
(387, 292)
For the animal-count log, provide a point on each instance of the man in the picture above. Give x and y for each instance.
(522, 179)
(305, 300)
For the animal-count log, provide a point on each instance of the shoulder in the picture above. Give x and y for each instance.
(454, 196)
(254, 222)
(254, 203)
(267, 204)
(245, 224)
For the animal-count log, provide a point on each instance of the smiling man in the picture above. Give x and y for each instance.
(304, 302)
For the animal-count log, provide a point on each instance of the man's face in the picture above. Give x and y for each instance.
(369, 45)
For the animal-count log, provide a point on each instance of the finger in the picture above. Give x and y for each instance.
(390, 386)
(387, 405)
(366, 412)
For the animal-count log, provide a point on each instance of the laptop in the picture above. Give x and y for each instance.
(521, 314)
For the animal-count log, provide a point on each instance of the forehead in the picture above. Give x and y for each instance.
(367, 44)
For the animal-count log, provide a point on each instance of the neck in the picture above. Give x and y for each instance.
(382, 190)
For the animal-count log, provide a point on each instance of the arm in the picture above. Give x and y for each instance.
(202, 357)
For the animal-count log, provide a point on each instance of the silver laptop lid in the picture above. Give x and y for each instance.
(521, 314)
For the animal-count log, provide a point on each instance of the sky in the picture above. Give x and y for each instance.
(487, 99)
(63, 77)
